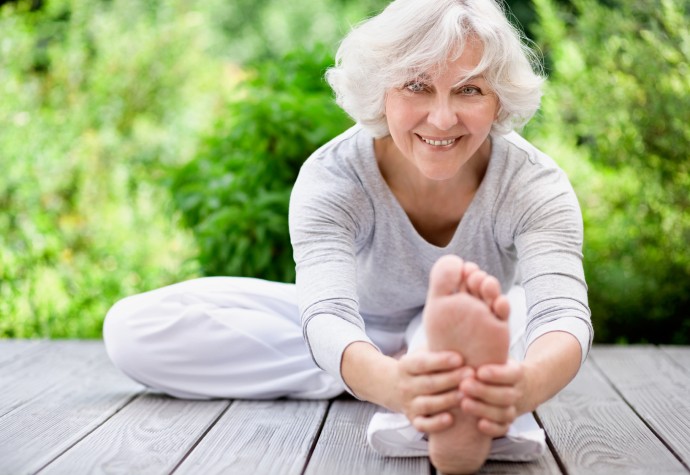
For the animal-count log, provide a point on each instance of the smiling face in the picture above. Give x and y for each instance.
(439, 121)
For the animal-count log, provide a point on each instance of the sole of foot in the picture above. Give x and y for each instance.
(465, 312)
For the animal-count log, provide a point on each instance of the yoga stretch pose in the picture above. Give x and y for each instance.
(407, 230)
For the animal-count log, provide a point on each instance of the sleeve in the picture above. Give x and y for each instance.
(329, 217)
(548, 236)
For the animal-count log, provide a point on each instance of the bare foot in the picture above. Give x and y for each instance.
(464, 312)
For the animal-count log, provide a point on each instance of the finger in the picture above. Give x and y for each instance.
(437, 383)
(492, 429)
(490, 393)
(446, 276)
(500, 374)
(435, 404)
(425, 362)
(497, 414)
(435, 423)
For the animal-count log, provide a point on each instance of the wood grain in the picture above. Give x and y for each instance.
(679, 354)
(342, 448)
(259, 437)
(151, 435)
(545, 465)
(41, 429)
(595, 432)
(640, 374)
(14, 349)
(31, 373)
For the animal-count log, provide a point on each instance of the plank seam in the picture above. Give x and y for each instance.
(317, 436)
(596, 366)
(202, 436)
(549, 444)
(673, 360)
(95, 428)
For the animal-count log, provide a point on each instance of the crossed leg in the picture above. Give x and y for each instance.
(464, 312)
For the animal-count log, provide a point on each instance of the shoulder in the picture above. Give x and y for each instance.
(336, 163)
(533, 189)
(331, 182)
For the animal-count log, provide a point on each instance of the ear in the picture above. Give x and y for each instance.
(498, 112)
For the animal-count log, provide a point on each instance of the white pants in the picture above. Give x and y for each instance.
(231, 337)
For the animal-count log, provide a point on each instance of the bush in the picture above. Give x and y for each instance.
(97, 99)
(234, 194)
(619, 98)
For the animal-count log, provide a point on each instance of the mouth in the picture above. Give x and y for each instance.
(438, 142)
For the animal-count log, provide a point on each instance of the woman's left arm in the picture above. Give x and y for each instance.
(499, 393)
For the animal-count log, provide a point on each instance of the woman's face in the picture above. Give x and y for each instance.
(438, 121)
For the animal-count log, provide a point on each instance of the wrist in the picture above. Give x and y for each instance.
(369, 374)
(526, 403)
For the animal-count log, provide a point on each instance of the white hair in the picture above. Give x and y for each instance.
(414, 36)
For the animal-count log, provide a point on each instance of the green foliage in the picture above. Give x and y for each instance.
(97, 100)
(620, 95)
(235, 193)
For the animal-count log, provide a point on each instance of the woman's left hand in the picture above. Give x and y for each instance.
(493, 396)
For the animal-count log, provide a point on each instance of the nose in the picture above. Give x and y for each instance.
(442, 114)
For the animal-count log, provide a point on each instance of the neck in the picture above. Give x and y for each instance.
(402, 176)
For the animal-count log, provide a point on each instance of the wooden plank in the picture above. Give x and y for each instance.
(259, 437)
(151, 435)
(656, 387)
(46, 426)
(545, 465)
(33, 372)
(594, 431)
(342, 448)
(679, 354)
(13, 349)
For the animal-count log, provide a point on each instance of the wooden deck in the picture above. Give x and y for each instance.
(65, 409)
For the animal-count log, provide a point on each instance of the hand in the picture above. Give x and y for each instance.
(492, 396)
(428, 387)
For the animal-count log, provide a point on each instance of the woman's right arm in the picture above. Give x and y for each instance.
(330, 216)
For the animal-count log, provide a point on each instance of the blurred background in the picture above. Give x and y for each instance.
(143, 142)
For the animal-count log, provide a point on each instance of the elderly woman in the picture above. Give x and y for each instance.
(405, 230)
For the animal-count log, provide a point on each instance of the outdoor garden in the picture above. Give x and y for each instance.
(147, 142)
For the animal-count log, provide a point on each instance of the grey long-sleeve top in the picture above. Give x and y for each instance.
(361, 264)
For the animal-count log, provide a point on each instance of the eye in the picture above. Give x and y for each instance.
(415, 86)
(469, 90)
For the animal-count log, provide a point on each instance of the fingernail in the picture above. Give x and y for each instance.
(455, 360)
(460, 395)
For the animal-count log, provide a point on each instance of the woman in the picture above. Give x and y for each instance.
(405, 229)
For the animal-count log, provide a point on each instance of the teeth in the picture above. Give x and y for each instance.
(438, 143)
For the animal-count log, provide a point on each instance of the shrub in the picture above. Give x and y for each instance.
(234, 194)
(96, 98)
(619, 97)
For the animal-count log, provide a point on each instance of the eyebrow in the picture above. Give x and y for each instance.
(469, 79)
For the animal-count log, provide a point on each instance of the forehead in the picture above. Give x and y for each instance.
(458, 67)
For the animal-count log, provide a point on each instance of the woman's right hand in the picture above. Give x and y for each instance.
(428, 388)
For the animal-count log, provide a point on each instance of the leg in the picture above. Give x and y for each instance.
(465, 312)
(218, 337)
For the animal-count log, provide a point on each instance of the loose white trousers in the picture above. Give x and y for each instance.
(237, 338)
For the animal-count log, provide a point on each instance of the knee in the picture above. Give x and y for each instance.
(121, 342)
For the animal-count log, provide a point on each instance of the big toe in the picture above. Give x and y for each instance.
(446, 276)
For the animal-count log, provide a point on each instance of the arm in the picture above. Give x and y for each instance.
(543, 225)
(551, 362)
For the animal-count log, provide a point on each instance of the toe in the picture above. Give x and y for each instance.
(446, 276)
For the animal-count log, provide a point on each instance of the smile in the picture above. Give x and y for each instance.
(438, 143)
